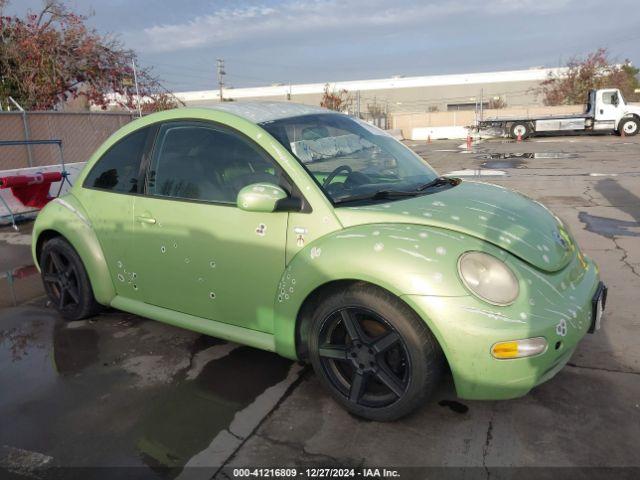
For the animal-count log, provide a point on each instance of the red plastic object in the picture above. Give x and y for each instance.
(31, 190)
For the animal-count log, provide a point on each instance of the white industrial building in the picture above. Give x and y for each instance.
(433, 93)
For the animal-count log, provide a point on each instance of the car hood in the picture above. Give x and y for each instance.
(505, 218)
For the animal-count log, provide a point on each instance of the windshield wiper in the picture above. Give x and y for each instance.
(438, 182)
(380, 195)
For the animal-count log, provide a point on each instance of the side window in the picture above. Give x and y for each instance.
(610, 98)
(197, 161)
(118, 169)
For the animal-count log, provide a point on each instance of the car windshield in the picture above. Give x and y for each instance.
(351, 159)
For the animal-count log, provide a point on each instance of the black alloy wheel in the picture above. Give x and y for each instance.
(373, 353)
(364, 357)
(65, 280)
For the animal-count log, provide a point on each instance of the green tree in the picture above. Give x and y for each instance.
(52, 56)
(596, 70)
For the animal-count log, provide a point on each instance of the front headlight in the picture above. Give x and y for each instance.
(488, 278)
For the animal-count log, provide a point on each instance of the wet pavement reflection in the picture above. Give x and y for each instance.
(19, 279)
(119, 390)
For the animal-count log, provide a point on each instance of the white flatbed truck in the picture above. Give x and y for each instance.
(605, 110)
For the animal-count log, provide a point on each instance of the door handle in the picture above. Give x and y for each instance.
(601, 111)
(148, 220)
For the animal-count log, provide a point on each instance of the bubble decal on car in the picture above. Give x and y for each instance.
(561, 328)
(378, 247)
(286, 287)
(441, 251)
(315, 252)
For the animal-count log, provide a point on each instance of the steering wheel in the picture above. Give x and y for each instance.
(333, 174)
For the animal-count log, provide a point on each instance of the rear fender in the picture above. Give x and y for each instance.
(65, 216)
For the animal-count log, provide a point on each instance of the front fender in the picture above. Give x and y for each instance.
(65, 216)
(404, 259)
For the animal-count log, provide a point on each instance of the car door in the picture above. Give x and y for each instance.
(607, 106)
(195, 251)
(108, 197)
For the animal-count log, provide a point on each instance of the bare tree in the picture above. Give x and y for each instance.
(338, 100)
(497, 103)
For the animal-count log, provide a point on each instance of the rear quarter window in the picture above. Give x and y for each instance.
(118, 169)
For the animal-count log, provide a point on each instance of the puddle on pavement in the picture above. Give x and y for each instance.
(19, 284)
(77, 401)
(192, 413)
(609, 227)
(518, 160)
(74, 348)
(454, 406)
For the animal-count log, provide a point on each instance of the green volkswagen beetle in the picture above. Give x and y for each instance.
(308, 233)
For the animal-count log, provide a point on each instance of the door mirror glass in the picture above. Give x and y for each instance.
(260, 197)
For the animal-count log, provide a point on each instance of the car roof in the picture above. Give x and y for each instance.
(259, 112)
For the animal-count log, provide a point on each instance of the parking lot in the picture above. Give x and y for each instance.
(120, 390)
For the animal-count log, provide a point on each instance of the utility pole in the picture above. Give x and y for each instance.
(221, 74)
(135, 80)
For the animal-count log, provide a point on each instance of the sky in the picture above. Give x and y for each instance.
(281, 41)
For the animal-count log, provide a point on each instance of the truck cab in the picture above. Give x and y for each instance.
(610, 108)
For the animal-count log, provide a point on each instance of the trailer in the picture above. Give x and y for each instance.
(605, 111)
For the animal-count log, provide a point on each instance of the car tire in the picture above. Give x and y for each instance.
(66, 281)
(373, 353)
(630, 127)
(522, 128)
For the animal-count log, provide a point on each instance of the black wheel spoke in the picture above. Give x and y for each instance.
(50, 278)
(73, 293)
(56, 261)
(385, 342)
(389, 379)
(351, 325)
(358, 386)
(336, 352)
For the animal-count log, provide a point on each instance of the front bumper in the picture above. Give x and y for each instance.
(556, 306)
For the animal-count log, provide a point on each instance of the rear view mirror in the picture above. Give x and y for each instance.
(260, 197)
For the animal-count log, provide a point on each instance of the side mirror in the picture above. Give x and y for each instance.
(261, 197)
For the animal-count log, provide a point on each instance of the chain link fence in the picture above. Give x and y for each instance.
(81, 134)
